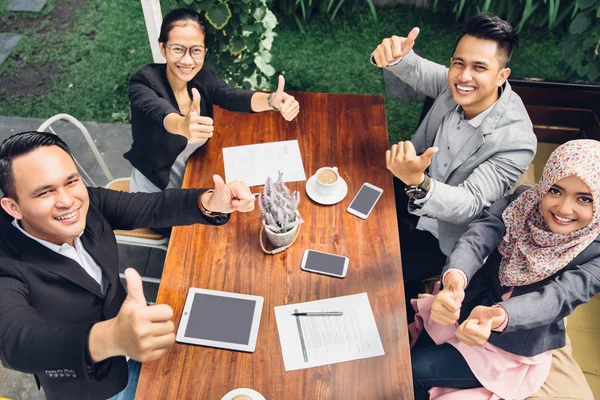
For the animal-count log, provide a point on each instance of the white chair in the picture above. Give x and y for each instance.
(136, 237)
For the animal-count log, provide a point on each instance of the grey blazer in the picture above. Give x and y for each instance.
(536, 311)
(489, 164)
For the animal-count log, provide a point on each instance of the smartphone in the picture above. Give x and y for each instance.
(365, 200)
(324, 263)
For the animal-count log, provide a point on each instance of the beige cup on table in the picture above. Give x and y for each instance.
(327, 180)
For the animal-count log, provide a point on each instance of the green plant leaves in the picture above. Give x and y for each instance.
(237, 45)
(580, 23)
(583, 4)
(218, 15)
(264, 66)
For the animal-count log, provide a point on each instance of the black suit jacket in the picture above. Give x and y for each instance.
(154, 150)
(48, 303)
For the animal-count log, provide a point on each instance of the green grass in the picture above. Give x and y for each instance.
(98, 54)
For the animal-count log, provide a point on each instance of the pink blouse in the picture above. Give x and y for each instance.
(503, 375)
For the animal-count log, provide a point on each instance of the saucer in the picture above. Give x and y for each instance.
(326, 199)
(253, 394)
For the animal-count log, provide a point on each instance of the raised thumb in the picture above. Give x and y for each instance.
(281, 84)
(219, 183)
(430, 152)
(195, 101)
(135, 290)
(489, 313)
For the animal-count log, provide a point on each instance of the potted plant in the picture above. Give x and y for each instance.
(279, 207)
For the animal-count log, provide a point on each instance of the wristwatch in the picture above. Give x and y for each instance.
(420, 191)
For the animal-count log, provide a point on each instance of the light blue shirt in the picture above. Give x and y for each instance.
(451, 136)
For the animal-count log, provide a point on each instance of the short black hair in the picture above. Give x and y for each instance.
(176, 16)
(20, 144)
(491, 27)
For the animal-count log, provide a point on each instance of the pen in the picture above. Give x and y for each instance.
(318, 314)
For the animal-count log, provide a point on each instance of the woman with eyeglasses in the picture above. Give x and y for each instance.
(172, 104)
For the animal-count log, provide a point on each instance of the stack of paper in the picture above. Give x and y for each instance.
(321, 340)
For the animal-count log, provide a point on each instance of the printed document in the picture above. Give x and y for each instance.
(254, 163)
(310, 341)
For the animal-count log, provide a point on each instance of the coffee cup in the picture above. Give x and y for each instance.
(243, 394)
(327, 179)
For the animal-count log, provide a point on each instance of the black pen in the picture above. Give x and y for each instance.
(318, 314)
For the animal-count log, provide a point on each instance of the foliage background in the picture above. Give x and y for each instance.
(95, 54)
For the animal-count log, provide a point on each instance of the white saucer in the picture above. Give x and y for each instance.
(253, 394)
(327, 199)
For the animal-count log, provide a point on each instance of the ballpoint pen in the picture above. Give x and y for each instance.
(318, 314)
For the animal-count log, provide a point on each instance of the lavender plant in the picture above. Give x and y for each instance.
(279, 206)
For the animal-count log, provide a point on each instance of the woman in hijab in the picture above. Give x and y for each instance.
(511, 279)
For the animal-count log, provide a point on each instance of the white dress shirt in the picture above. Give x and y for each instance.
(77, 254)
(451, 136)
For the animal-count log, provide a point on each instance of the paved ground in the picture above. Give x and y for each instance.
(112, 141)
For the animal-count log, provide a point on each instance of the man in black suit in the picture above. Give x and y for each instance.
(64, 315)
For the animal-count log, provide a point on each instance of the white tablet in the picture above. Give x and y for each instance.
(220, 319)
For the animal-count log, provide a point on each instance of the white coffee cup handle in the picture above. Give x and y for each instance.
(335, 169)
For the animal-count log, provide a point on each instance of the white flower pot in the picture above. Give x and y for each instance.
(280, 239)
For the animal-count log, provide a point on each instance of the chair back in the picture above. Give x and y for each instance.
(47, 126)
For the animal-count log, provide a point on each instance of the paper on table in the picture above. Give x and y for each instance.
(254, 163)
(328, 340)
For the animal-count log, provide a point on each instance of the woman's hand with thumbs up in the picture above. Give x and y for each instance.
(476, 330)
(195, 127)
(445, 309)
(288, 106)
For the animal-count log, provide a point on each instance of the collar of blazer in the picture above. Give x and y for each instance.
(40, 256)
(489, 123)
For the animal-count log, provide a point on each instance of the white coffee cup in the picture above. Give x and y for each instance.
(327, 180)
(243, 393)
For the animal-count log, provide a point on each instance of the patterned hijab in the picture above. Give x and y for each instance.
(530, 251)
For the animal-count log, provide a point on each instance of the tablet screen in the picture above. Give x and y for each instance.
(222, 319)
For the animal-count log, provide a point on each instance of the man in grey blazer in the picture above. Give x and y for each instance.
(470, 149)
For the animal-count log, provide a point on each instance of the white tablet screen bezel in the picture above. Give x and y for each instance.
(250, 347)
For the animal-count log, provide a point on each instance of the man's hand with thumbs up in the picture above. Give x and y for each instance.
(195, 127)
(394, 48)
(445, 309)
(402, 160)
(288, 106)
(476, 329)
(226, 198)
(139, 331)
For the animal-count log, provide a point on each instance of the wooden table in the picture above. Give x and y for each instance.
(347, 131)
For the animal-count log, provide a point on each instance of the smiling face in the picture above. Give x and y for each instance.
(52, 199)
(475, 74)
(183, 70)
(568, 205)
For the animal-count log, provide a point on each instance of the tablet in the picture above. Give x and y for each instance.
(220, 319)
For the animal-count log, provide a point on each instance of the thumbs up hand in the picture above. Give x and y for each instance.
(393, 48)
(288, 106)
(445, 309)
(402, 161)
(196, 128)
(476, 329)
(226, 198)
(141, 332)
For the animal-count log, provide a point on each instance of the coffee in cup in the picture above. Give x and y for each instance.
(242, 397)
(327, 179)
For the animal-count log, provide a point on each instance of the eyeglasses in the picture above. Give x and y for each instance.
(179, 51)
